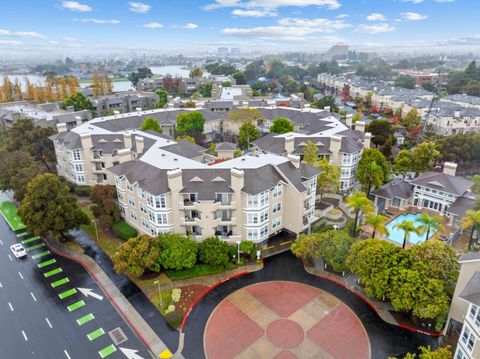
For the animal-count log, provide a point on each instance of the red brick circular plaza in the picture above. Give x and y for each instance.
(284, 320)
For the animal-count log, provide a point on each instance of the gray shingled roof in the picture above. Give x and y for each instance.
(443, 182)
(461, 206)
(226, 146)
(150, 178)
(185, 148)
(271, 144)
(260, 179)
(70, 140)
(395, 189)
(293, 175)
(307, 171)
(471, 292)
(206, 182)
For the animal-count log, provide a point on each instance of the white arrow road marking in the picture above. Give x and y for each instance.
(10, 257)
(1, 286)
(10, 305)
(89, 292)
(24, 335)
(130, 353)
(66, 354)
(35, 299)
(48, 322)
(20, 274)
(1, 242)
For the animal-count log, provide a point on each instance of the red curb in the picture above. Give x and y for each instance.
(84, 265)
(208, 290)
(420, 331)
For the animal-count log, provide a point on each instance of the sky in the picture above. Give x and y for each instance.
(35, 27)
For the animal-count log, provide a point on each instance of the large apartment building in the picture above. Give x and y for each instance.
(121, 102)
(241, 198)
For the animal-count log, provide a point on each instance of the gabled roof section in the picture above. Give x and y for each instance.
(471, 292)
(444, 182)
(196, 179)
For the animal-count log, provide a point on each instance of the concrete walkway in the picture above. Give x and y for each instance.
(156, 346)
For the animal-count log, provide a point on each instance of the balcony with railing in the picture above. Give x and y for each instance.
(191, 218)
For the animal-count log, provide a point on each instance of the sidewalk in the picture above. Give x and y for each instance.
(350, 282)
(126, 310)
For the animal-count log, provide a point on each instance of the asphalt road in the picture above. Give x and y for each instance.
(385, 339)
(37, 323)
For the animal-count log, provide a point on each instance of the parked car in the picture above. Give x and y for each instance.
(18, 250)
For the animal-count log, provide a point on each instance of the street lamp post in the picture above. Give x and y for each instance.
(238, 252)
(96, 229)
(157, 282)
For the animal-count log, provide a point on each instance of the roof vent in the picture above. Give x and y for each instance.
(163, 154)
(175, 159)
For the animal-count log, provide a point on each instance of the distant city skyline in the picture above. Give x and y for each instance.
(88, 27)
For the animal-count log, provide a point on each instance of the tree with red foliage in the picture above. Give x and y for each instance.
(395, 119)
(374, 109)
(414, 132)
(387, 111)
(346, 92)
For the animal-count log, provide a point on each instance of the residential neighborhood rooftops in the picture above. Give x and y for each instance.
(443, 182)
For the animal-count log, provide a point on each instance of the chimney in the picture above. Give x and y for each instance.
(289, 144)
(61, 127)
(140, 142)
(326, 108)
(127, 139)
(124, 155)
(86, 140)
(360, 126)
(175, 182)
(335, 145)
(295, 160)
(450, 168)
(349, 121)
(368, 140)
(237, 179)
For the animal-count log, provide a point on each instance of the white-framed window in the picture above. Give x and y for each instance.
(129, 186)
(276, 222)
(264, 198)
(156, 201)
(141, 192)
(460, 353)
(277, 190)
(122, 210)
(133, 216)
(162, 218)
(153, 231)
(143, 208)
(118, 181)
(78, 167)
(76, 155)
(252, 233)
(131, 201)
(313, 184)
(263, 231)
(277, 207)
(120, 197)
(468, 338)
(252, 201)
(151, 216)
(258, 200)
(80, 179)
(264, 216)
(166, 230)
(252, 218)
(145, 223)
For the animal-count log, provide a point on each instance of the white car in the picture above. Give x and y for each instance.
(18, 250)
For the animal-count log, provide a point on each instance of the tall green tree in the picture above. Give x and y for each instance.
(378, 223)
(196, 72)
(140, 74)
(324, 102)
(471, 220)
(424, 155)
(408, 227)
(381, 131)
(239, 77)
(403, 163)
(429, 224)
(329, 178)
(151, 124)
(429, 353)
(79, 102)
(310, 153)
(162, 98)
(406, 81)
(248, 133)
(359, 203)
(281, 125)
(48, 209)
(137, 255)
(373, 169)
(306, 247)
(177, 251)
(334, 247)
(411, 119)
(191, 124)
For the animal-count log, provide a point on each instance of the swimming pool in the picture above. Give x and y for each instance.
(396, 235)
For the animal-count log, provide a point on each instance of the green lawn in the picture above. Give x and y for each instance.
(9, 211)
(199, 270)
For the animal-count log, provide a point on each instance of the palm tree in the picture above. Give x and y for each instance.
(472, 219)
(430, 223)
(360, 203)
(407, 227)
(377, 221)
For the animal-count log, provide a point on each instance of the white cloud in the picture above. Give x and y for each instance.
(53, 42)
(253, 13)
(413, 1)
(273, 33)
(272, 4)
(76, 6)
(99, 21)
(10, 42)
(32, 34)
(319, 25)
(153, 25)
(139, 7)
(342, 16)
(375, 16)
(190, 26)
(68, 38)
(412, 16)
(375, 28)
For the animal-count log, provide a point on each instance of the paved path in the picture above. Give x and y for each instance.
(385, 339)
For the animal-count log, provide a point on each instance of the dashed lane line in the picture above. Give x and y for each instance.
(10, 257)
(1, 242)
(85, 319)
(24, 335)
(48, 322)
(20, 274)
(52, 272)
(33, 296)
(1, 286)
(41, 254)
(66, 354)
(60, 282)
(10, 305)
(105, 352)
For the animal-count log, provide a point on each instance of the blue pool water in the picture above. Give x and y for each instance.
(396, 235)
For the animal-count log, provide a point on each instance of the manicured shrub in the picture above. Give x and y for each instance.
(213, 251)
(82, 191)
(124, 231)
(176, 294)
(174, 319)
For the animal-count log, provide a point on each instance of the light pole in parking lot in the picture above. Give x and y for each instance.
(96, 229)
(157, 282)
(238, 252)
